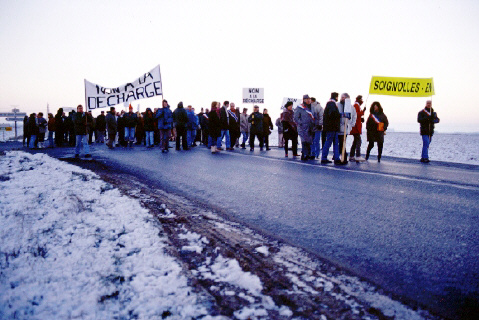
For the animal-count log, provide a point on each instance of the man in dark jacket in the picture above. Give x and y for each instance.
(110, 121)
(225, 124)
(100, 128)
(256, 120)
(59, 127)
(81, 123)
(234, 126)
(331, 126)
(180, 121)
(130, 122)
(427, 118)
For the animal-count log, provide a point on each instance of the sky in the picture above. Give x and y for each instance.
(211, 50)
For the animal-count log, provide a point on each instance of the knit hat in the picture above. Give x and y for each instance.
(306, 96)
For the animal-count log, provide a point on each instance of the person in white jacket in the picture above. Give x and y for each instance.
(348, 120)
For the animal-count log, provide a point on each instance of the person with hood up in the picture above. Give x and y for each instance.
(305, 120)
(348, 120)
(376, 127)
(180, 122)
(59, 127)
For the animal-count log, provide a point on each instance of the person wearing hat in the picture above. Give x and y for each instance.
(180, 122)
(355, 152)
(290, 130)
(305, 120)
(256, 130)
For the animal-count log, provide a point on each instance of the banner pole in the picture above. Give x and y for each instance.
(343, 152)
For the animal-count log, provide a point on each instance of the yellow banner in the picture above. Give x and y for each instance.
(403, 87)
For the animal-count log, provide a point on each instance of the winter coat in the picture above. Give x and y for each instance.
(149, 122)
(224, 118)
(165, 118)
(32, 126)
(331, 117)
(42, 125)
(130, 119)
(101, 123)
(180, 118)
(244, 125)
(214, 124)
(290, 129)
(234, 126)
(204, 121)
(81, 121)
(318, 112)
(351, 122)
(372, 127)
(279, 125)
(305, 122)
(358, 127)
(427, 122)
(267, 125)
(193, 121)
(59, 121)
(256, 120)
(51, 124)
(111, 124)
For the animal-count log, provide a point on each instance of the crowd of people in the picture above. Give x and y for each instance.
(318, 128)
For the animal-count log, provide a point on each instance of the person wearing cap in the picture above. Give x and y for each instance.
(244, 127)
(256, 129)
(305, 121)
(318, 112)
(180, 122)
(331, 125)
(111, 127)
(356, 131)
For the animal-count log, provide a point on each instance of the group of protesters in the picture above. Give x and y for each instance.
(318, 128)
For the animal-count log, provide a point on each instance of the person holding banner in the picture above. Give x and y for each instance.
(305, 121)
(331, 124)
(426, 118)
(376, 127)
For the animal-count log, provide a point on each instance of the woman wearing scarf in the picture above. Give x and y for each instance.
(376, 127)
(290, 129)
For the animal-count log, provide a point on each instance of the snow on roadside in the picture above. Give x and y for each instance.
(72, 246)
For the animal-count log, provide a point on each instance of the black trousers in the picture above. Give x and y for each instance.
(356, 147)
(371, 146)
(181, 133)
(251, 140)
(294, 145)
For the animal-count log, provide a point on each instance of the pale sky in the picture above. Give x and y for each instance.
(211, 50)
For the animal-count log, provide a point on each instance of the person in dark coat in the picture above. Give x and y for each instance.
(59, 127)
(26, 131)
(100, 128)
(180, 122)
(205, 134)
(290, 129)
(267, 127)
(111, 126)
(164, 116)
(51, 130)
(82, 122)
(426, 118)
(256, 130)
(121, 128)
(149, 126)
(376, 127)
(130, 122)
(69, 129)
(234, 126)
(33, 129)
(214, 127)
(331, 126)
(225, 124)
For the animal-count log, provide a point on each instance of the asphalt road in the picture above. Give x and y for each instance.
(410, 228)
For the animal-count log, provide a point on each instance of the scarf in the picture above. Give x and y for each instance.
(427, 112)
(307, 111)
(233, 115)
(206, 116)
(375, 118)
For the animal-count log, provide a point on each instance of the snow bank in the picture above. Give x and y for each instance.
(71, 246)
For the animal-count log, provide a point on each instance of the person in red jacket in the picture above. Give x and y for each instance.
(357, 130)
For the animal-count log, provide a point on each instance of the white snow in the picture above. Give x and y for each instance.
(263, 250)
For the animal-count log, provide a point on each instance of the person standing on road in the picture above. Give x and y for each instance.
(81, 122)
(256, 129)
(164, 117)
(42, 129)
(130, 121)
(149, 126)
(225, 124)
(348, 120)
(205, 133)
(59, 128)
(356, 131)
(111, 127)
(26, 132)
(376, 127)
(100, 128)
(33, 129)
(180, 122)
(331, 124)
(305, 121)
(427, 118)
(290, 129)
(214, 127)
(234, 127)
(51, 130)
(318, 112)
(267, 127)
(244, 127)
(279, 125)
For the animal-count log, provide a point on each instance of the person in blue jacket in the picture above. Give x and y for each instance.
(165, 124)
(427, 118)
(192, 126)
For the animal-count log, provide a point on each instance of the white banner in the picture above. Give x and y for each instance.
(253, 95)
(296, 102)
(146, 86)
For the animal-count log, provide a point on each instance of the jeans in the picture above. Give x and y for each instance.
(245, 137)
(150, 138)
(315, 147)
(220, 138)
(426, 140)
(129, 134)
(82, 139)
(331, 139)
(50, 138)
(100, 136)
(164, 138)
(191, 135)
(33, 140)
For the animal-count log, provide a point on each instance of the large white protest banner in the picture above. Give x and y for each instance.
(146, 86)
(253, 95)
